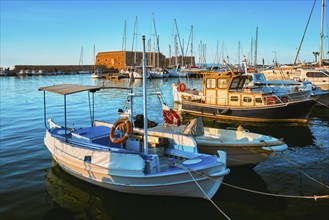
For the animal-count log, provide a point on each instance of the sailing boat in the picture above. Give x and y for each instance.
(108, 156)
(82, 71)
(97, 74)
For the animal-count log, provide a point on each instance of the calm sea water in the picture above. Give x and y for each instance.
(33, 187)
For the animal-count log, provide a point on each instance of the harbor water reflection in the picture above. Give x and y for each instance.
(32, 187)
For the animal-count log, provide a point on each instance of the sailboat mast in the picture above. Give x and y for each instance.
(180, 44)
(134, 46)
(158, 49)
(144, 97)
(256, 42)
(169, 55)
(81, 58)
(94, 59)
(321, 35)
(124, 38)
(153, 35)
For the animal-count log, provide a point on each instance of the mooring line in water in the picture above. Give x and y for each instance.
(321, 103)
(273, 165)
(196, 182)
(299, 170)
(315, 197)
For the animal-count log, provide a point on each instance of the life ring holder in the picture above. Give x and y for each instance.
(285, 99)
(182, 87)
(124, 138)
(270, 100)
(171, 117)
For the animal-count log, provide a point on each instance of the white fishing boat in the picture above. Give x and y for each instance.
(242, 147)
(112, 158)
(158, 73)
(97, 74)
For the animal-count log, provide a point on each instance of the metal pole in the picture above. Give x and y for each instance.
(144, 97)
(44, 109)
(65, 117)
(321, 35)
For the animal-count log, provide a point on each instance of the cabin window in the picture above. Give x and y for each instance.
(211, 83)
(222, 83)
(247, 99)
(235, 83)
(87, 159)
(315, 74)
(234, 98)
(258, 100)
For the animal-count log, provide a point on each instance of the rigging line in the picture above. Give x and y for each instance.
(301, 42)
(196, 182)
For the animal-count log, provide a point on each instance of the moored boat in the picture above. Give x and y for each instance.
(224, 97)
(242, 147)
(108, 156)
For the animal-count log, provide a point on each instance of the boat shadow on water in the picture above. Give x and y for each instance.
(71, 198)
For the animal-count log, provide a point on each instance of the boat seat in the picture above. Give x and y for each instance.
(98, 135)
(179, 153)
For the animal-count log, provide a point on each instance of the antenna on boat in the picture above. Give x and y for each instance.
(144, 97)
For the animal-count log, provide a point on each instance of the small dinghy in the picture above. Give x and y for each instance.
(242, 147)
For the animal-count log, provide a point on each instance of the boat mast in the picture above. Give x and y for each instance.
(169, 55)
(134, 37)
(81, 59)
(158, 44)
(180, 44)
(321, 35)
(301, 42)
(144, 97)
(124, 38)
(154, 36)
(256, 42)
(192, 63)
(94, 59)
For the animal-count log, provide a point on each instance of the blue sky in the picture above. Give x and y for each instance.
(53, 32)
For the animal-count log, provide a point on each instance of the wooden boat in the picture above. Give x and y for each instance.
(242, 147)
(108, 156)
(224, 97)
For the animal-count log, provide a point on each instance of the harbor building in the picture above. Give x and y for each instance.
(120, 59)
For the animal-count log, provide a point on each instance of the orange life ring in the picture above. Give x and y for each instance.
(123, 139)
(182, 87)
(171, 117)
(270, 100)
(284, 99)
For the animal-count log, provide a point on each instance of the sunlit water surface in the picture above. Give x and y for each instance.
(33, 187)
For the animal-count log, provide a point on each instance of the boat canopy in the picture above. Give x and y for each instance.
(66, 89)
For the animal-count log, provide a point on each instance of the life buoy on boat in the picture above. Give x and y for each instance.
(182, 87)
(171, 117)
(123, 139)
(270, 100)
(284, 99)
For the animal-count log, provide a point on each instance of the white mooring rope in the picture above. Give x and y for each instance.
(315, 197)
(196, 182)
